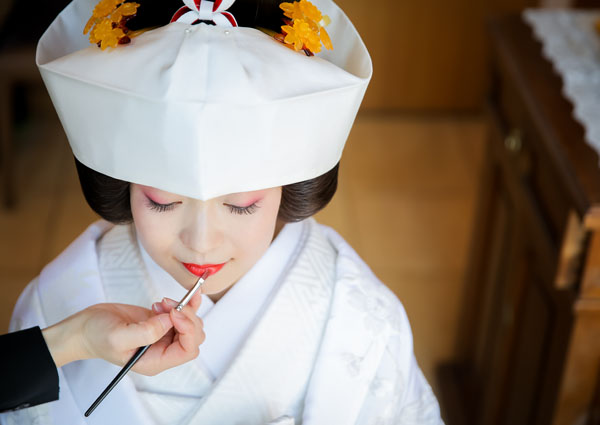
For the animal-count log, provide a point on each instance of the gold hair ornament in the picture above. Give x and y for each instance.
(107, 23)
(305, 29)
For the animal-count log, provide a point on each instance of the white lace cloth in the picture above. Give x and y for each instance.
(572, 44)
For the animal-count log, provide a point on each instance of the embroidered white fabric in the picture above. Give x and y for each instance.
(572, 44)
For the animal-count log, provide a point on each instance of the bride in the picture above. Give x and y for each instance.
(206, 135)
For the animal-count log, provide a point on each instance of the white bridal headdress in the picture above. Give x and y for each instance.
(204, 110)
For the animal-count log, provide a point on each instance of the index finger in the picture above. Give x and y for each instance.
(194, 302)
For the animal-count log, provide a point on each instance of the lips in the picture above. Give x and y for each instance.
(199, 269)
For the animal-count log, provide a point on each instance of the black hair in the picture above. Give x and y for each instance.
(248, 13)
(109, 197)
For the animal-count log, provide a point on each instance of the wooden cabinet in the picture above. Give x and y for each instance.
(530, 343)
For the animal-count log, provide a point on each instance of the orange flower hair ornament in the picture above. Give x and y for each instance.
(107, 23)
(306, 28)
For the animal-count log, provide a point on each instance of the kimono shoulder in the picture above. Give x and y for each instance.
(366, 365)
(65, 286)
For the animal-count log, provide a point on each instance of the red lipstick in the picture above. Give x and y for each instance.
(199, 270)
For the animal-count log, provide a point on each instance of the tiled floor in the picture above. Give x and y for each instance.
(405, 202)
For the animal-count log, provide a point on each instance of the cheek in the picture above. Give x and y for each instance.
(152, 229)
(257, 234)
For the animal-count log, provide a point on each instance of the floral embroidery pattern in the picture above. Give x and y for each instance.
(396, 398)
(353, 363)
(36, 415)
(107, 23)
(381, 387)
(379, 308)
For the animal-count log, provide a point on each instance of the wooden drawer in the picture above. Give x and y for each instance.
(526, 155)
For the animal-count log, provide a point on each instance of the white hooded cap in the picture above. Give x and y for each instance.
(202, 110)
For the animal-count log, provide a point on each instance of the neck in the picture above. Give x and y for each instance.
(216, 297)
(278, 226)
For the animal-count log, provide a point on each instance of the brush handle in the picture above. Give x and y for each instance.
(138, 354)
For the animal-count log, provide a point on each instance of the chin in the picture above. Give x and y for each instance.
(215, 287)
(185, 279)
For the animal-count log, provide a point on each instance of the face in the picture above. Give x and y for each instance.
(226, 235)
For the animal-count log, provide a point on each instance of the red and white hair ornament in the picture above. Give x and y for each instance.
(205, 10)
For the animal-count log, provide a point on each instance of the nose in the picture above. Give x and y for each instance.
(202, 232)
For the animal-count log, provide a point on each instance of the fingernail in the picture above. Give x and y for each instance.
(165, 321)
(157, 308)
(178, 314)
(169, 302)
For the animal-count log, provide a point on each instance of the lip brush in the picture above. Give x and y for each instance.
(140, 352)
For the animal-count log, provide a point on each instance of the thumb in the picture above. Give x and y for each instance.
(195, 301)
(147, 332)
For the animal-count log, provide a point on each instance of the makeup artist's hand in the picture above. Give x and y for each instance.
(115, 331)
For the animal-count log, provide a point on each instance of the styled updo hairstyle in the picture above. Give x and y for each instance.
(269, 16)
(263, 14)
(109, 197)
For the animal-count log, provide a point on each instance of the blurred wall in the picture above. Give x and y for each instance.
(4, 7)
(429, 54)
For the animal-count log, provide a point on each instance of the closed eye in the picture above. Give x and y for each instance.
(155, 206)
(250, 209)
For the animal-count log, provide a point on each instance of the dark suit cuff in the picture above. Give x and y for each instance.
(29, 373)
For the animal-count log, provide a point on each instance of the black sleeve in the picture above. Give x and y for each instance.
(28, 373)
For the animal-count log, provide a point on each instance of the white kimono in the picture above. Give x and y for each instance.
(308, 336)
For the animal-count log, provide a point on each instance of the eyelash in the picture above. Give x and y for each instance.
(243, 210)
(160, 207)
(250, 209)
